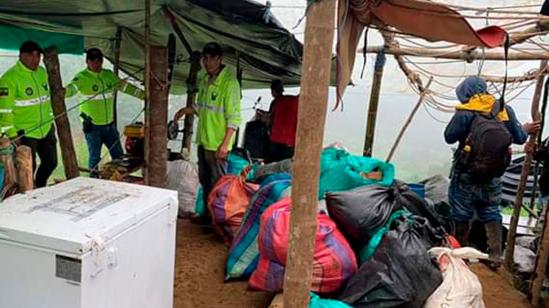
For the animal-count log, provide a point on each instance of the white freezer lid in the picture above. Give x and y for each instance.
(69, 217)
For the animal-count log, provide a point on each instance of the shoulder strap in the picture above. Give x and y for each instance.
(506, 46)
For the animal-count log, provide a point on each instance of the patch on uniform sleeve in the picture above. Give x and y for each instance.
(4, 91)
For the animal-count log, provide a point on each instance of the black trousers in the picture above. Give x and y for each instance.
(210, 169)
(46, 148)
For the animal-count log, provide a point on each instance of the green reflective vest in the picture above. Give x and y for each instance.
(25, 102)
(97, 90)
(218, 108)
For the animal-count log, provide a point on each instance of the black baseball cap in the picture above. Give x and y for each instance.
(212, 49)
(94, 54)
(30, 46)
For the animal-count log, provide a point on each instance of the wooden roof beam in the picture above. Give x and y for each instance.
(468, 56)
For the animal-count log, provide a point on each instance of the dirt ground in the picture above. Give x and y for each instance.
(200, 264)
(497, 291)
(200, 269)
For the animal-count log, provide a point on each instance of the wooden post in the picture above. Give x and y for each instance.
(51, 60)
(373, 106)
(542, 257)
(116, 68)
(409, 120)
(147, 79)
(319, 34)
(23, 161)
(510, 250)
(158, 110)
(192, 89)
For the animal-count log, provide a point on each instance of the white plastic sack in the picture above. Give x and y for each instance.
(460, 287)
(183, 177)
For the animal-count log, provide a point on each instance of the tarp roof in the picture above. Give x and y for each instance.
(266, 49)
(425, 19)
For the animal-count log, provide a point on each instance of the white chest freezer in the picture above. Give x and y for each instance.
(88, 243)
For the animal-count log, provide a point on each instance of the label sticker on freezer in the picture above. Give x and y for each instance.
(81, 203)
(68, 268)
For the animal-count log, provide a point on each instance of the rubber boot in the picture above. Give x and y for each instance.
(461, 232)
(493, 234)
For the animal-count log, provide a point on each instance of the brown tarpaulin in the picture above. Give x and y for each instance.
(428, 20)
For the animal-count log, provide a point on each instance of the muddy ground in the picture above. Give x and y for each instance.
(199, 273)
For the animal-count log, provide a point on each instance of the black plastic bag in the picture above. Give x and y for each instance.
(360, 212)
(415, 204)
(401, 273)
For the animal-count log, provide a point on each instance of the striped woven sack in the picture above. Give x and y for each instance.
(244, 254)
(227, 203)
(334, 260)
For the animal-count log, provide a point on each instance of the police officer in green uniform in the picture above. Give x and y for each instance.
(218, 102)
(97, 85)
(25, 109)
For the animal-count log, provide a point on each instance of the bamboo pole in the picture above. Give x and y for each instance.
(192, 87)
(409, 120)
(519, 37)
(540, 268)
(509, 252)
(526, 77)
(23, 161)
(158, 110)
(147, 78)
(319, 35)
(239, 73)
(116, 68)
(51, 60)
(468, 56)
(413, 77)
(373, 105)
(536, 116)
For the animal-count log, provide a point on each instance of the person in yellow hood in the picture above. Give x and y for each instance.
(471, 192)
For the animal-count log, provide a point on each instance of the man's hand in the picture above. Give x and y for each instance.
(222, 152)
(182, 112)
(532, 127)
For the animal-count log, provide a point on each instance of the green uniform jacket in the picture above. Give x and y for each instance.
(218, 108)
(98, 89)
(25, 102)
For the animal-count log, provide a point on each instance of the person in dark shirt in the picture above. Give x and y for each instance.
(283, 121)
(466, 194)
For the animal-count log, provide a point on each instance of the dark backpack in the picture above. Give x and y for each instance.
(489, 142)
